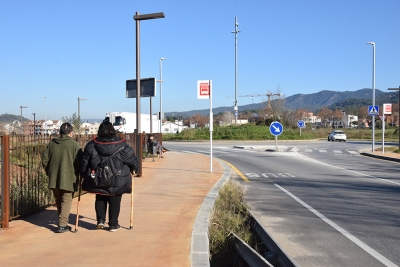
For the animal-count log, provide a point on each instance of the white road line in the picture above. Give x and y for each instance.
(338, 151)
(354, 239)
(353, 152)
(323, 151)
(308, 150)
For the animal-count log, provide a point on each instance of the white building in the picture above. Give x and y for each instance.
(173, 127)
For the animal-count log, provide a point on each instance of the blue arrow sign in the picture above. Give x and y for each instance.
(276, 128)
(300, 124)
(373, 110)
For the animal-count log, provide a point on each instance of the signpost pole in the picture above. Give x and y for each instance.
(211, 124)
(383, 133)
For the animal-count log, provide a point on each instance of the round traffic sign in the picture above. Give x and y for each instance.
(300, 124)
(276, 128)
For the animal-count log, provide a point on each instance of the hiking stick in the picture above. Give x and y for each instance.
(131, 219)
(77, 205)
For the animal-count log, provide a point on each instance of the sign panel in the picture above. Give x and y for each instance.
(203, 89)
(387, 108)
(276, 128)
(373, 110)
(147, 88)
(300, 124)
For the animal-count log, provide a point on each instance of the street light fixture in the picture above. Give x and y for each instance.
(398, 131)
(161, 81)
(45, 124)
(373, 94)
(34, 123)
(21, 117)
(79, 113)
(137, 17)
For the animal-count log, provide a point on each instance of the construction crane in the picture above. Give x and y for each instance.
(269, 94)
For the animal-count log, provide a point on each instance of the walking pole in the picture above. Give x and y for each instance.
(131, 219)
(77, 205)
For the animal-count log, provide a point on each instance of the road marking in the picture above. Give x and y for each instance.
(237, 171)
(322, 150)
(308, 150)
(354, 239)
(337, 151)
(352, 152)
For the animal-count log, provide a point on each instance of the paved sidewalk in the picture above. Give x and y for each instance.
(166, 202)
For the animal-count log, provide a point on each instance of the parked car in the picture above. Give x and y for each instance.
(337, 135)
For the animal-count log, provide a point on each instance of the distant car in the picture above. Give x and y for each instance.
(337, 135)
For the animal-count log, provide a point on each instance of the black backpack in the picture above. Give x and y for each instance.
(102, 175)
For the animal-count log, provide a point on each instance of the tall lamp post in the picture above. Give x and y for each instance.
(373, 94)
(398, 131)
(79, 112)
(22, 129)
(45, 124)
(137, 17)
(236, 31)
(161, 81)
(34, 123)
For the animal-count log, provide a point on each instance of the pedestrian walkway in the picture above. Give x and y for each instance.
(166, 202)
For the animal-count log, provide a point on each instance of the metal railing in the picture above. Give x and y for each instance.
(24, 184)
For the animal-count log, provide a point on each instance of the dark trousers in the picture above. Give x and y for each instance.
(114, 203)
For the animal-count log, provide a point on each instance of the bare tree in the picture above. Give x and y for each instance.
(199, 120)
(277, 102)
(325, 114)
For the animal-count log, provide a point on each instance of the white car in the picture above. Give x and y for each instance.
(337, 135)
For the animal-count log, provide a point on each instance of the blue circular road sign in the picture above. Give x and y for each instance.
(300, 124)
(276, 128)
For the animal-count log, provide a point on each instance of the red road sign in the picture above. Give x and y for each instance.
(387, 108)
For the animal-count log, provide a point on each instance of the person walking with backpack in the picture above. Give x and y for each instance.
(61, 161)
(120, 157)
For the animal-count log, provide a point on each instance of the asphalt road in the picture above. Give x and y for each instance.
(325, 204)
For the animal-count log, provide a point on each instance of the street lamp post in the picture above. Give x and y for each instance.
(34, 123)
(45, 124)
(398, 131)
(373, 94)
(21, 118)
(79, 113)
(161, 81)
(236, 31)
(137, 17)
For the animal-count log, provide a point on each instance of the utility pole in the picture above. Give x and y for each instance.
(34, 123)
(79, 113)
(236, 31)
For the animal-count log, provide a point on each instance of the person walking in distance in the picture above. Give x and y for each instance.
(61, 160)
(123, 163)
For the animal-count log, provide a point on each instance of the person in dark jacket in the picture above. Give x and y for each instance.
(61, 161)
(123, 164)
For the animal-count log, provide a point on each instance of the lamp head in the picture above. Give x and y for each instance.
(162, 58)
(371, 43)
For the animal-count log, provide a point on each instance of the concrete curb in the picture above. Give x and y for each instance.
(199, 251)
(380, 157)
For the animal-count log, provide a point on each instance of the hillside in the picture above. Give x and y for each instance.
(9, 118)
(313, 102)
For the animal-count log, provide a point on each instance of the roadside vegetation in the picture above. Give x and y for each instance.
(230, 215)
(261, 132)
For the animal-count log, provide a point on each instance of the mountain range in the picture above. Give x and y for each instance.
(312, 102)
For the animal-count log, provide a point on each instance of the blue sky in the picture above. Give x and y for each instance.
(63, 50)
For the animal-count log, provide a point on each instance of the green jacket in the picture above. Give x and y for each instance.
(61, 161)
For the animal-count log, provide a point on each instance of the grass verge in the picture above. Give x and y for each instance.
(230, 215)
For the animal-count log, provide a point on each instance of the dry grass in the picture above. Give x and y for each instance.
(229, 216)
